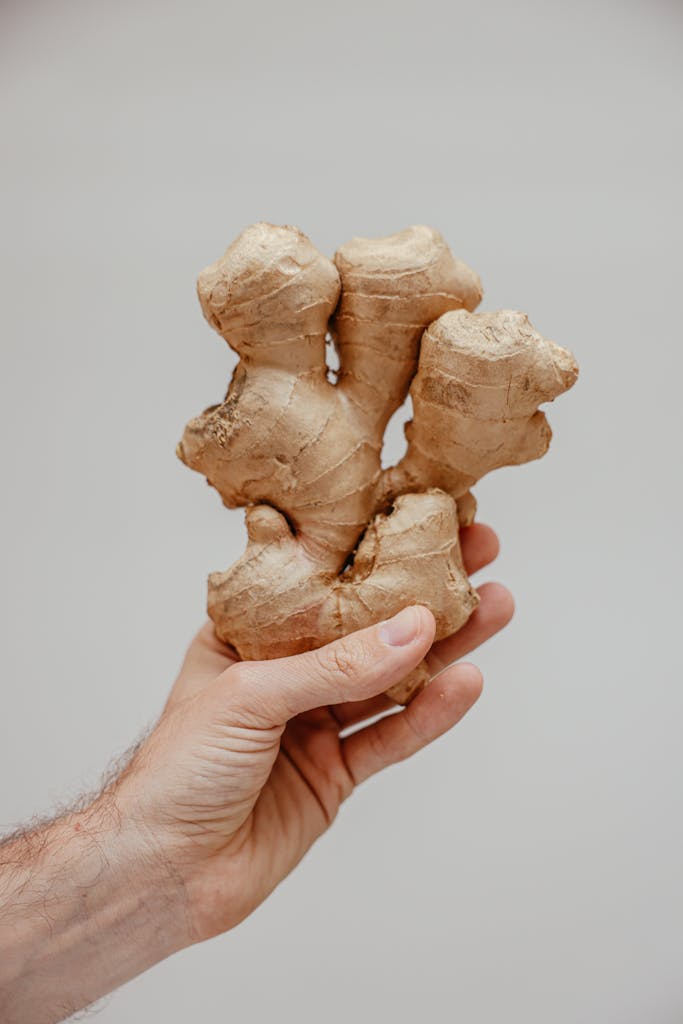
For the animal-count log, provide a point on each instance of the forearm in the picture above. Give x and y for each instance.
(84, 907)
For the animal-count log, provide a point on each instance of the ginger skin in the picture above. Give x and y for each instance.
(335, 543)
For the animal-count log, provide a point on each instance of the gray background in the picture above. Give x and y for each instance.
(528, 867)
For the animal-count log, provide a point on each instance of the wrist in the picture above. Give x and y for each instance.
(85, 905)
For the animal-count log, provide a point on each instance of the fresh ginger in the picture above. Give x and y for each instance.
(334, 542)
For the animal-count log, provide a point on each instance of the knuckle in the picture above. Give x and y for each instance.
(236, 676)
(378, 745)
(339, 660)
(251, 702)
(415, 730)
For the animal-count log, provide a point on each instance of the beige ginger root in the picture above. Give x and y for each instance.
(335, 543)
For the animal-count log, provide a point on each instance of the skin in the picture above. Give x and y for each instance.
(246, 768)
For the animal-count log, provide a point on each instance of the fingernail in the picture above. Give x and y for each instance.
(401, 629)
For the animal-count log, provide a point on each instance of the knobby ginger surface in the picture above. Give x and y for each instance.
(336, 543)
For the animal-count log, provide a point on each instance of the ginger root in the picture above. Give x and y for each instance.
(334, 542)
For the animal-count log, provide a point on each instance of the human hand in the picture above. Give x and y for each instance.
(250, 761)
(247, 766)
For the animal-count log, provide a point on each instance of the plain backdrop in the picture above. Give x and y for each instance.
(528, 867)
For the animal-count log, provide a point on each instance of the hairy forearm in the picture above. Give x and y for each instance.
(84, 906)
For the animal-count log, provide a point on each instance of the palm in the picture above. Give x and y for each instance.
(307, 784)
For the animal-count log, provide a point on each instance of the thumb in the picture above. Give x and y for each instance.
(357, 666)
